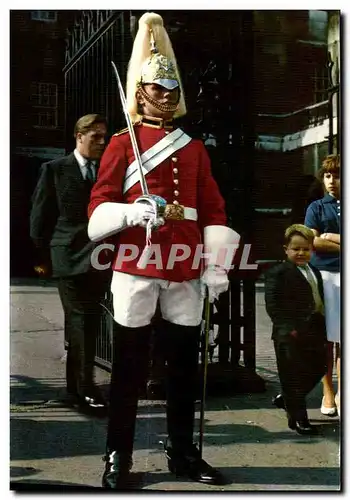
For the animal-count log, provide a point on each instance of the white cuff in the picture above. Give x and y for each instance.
(220, 243)
(107, 219)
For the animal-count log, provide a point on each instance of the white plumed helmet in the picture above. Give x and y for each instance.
(152, 61)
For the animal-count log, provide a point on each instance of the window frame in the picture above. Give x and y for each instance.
(39, 15)
(46, 96)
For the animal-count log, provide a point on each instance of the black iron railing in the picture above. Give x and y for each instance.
(235, 342)
(90, 87)
(104, 340)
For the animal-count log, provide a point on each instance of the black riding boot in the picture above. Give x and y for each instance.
(129, 374)
(182, 349)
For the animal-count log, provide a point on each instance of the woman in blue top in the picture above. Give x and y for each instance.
(323, 217)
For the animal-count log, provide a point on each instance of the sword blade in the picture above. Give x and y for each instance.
(135, 147)
(205, 373)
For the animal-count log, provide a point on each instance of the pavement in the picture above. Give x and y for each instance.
(54, 447)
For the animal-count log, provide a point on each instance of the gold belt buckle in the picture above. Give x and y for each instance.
(174, 212)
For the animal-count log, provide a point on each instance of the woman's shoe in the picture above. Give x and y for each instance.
(330, 412)
(337, 402)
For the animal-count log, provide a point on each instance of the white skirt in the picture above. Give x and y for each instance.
(331, 289)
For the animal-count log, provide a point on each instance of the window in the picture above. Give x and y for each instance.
(318, 25)
(47, 119)
(44, 94)
(44, 15)
(44, 100)
(320, 83)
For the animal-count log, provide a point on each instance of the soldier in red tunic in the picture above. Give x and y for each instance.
(177, 168)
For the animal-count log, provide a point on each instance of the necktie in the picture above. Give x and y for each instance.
(90, 172)
(319, 307)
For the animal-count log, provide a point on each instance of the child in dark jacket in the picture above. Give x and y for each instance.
(294, 302)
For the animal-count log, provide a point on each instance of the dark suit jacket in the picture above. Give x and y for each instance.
(58, 219)
(289, 301)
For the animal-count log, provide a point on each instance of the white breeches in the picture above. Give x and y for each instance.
(331, 289)
(135, 300)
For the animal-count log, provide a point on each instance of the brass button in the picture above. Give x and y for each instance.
(175, 170)
(174, 159)
(176, 193)
(175, 202)
(176, 181)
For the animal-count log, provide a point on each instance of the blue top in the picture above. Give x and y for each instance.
(324, 216)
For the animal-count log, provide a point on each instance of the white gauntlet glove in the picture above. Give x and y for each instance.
(215, 278)
(110, 218)
(138, 214)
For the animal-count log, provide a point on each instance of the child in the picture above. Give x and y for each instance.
(294, 301)
(323, 217)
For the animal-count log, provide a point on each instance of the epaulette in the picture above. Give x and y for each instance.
(124, 130)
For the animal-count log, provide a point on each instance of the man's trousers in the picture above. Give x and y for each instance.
(301, 363)
(81, 296)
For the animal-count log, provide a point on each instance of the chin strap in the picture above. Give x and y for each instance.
(165, 108)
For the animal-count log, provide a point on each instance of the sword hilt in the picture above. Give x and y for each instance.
(157, 202)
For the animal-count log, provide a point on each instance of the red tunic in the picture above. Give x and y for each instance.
(196, 189)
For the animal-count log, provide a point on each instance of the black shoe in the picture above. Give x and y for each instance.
(91, 397)
(292, 423)
(278, 401)
(118, 467)
(89, 406)
(302, 427)
(156, 390)
(94, 394)
(305, 428)
(92, 403)
(189, 463)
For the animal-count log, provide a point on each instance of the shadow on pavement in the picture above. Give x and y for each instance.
(306, 476)
(39, 439)
(26, 390)
(221, 435)
(23, 471)
(53, 437)
(270, 476)
(135, 482)
(31, 486)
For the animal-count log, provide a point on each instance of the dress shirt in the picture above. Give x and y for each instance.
(82, 164)
(309, 275)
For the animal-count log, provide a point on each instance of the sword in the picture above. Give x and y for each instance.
(135, 147)
(205, 373)
(157, 202)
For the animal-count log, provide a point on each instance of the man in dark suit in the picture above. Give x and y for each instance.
(294, 301)
(58, 227)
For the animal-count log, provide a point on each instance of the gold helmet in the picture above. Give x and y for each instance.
(152, 61)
